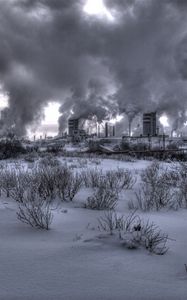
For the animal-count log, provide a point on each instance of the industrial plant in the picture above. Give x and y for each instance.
(149, 136)
(150, 124)
(106, 129)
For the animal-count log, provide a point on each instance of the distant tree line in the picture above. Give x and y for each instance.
(11, 148)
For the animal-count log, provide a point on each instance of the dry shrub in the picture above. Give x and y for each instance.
(122, 178)
(35, 211)
(73, 186)
(106, 187)
(103, 198)
(49, 161)
(180, 172)
(92, 177)
(68, 184)
(95, 160)
(22, 183)
(111, 222)
(82, 162)
(45, 181)
(155, 192)
(60, 181)
(133, 232)
(118, 179)
(7, 180)
(31, 157)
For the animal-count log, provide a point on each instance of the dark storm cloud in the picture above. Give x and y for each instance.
(150, 63)
(181, 57)
(52, 50)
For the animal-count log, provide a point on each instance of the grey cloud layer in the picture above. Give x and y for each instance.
(52, 50)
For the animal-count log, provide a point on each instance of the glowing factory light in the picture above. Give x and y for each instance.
(115, 120)
(3, 101)
(49, 126)
(97, 8)
(51, 113)
(164, 120)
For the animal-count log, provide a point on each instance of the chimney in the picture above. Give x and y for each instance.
(98, 130)
(106, 129)
(113, 130)
(130, 128)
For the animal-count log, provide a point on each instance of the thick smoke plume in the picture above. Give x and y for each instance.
(51, 50)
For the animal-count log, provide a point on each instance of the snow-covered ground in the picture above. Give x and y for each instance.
(75, 261)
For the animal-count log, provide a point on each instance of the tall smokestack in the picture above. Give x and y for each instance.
(130, 123)
(98, 130)
(106, 129)
(149, 124)
(157, 130)
(113, 130)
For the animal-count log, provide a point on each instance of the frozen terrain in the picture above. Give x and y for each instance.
(75, 261)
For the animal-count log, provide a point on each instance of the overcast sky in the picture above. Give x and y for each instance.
(125, 56)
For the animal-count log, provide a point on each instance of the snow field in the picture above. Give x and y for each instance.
(74, 260)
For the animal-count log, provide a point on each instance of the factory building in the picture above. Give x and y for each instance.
(76, 133)
(73, 127)
(149, 124)
(109, 130)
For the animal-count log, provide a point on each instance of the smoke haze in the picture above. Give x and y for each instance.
(51, 50)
